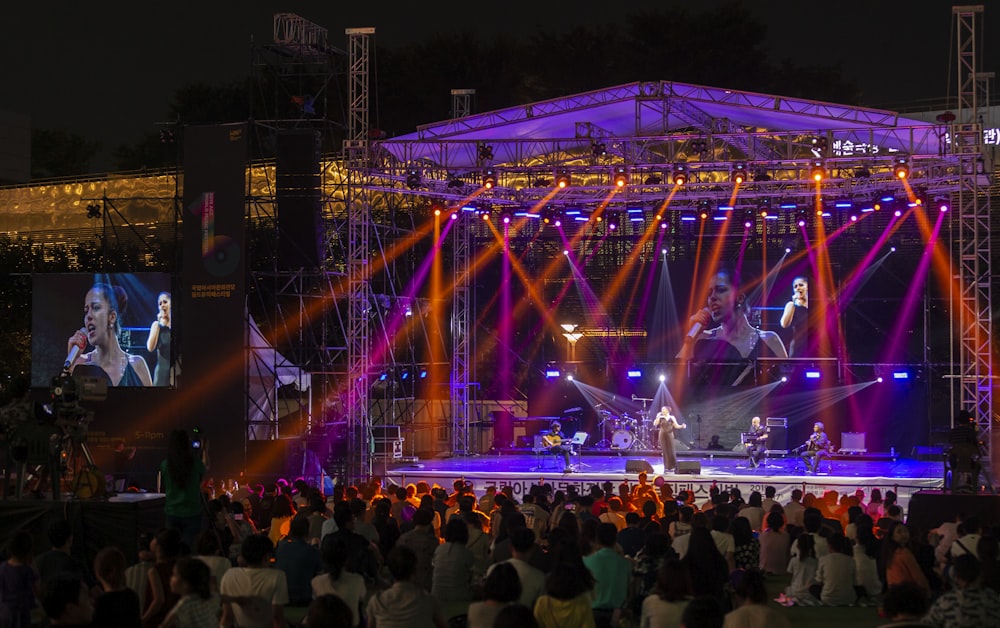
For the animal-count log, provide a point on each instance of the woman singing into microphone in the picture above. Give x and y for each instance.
(667, 423)
(796, 316)
(158, 341)
(730, 347)
(102, 311)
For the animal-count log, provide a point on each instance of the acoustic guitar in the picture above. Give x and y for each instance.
(551, 440)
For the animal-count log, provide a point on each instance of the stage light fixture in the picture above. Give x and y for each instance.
(620, 176)
(817, 171)
(813, 375)
(942, 205)
(484, 152)
(819, 145)
(413, 178)
(633, 373)
(749, 216)
(738, 175)
(423, 374)
(662, 378)
(900, 375)
(506, 215)
(454, 214)
(437, 208)
(878, 379)
(569, 377)
(901, 167)
(563, 180)
(801, 217)
(704, 209)
(680, 175)
(598, 149)
(700, 147)
(489, 178)
(483, 213)
(93, 210)
(552, 373)
(614, 220)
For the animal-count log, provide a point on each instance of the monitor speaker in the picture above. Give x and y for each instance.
(688, 467)
(638, 466)
(777, 438)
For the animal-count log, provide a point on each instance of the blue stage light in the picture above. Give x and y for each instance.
(550, 373)
(633, 373)
(812, 374)
(901, 375)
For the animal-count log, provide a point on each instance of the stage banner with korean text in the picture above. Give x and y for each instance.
(212, 376)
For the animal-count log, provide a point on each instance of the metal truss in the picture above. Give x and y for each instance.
(359, 224)
(461, 339)
(974, 246)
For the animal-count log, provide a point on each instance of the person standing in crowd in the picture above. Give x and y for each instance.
(405, 603)
(18, 582)
(117, 605)
(667, 423)
(158, 341)
(181, 474)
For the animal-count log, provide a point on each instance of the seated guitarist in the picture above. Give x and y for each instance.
(558, 444)
(815, 448)
(755, 441)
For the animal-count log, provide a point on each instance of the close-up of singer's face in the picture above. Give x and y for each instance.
(98, 317)
(721, 297)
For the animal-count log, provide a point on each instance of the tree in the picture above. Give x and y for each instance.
(57, 153)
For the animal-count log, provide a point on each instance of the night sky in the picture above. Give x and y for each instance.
(107, 70)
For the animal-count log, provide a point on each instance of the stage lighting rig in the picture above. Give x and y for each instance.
(598, 149)
(749, 216)
(704, 209)
(563, 180)
(819, 145)
(455, 182)
(489, 179)
(901, 167)
(614, 220)
(620, 176)
(506, 215)
(817, 171)
(761, 175)
(413, 178)
(93, 210)
(738, 175)
(680, 174)
(801, 216)
(484, 152)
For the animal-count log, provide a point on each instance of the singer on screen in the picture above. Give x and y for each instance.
(103, 308)
(721, 334)
(158, 341)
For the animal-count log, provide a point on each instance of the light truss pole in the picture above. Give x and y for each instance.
(359, 222)
(974, 272)
(459, 388)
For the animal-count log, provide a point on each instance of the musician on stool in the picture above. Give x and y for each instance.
(667, 423)
(755, 441)
(815, 448)
(558, 444)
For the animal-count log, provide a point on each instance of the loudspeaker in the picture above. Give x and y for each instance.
(638, 466)
(777, 438)
(298, 199)
(688, 467)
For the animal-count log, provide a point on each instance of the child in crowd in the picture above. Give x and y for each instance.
(803, 567)
(197, 607)
(117, 605)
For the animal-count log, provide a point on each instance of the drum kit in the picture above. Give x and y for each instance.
(624, 432)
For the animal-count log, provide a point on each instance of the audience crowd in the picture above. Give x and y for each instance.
(420, 555)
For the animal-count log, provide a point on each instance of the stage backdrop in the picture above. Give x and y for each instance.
(213, 371)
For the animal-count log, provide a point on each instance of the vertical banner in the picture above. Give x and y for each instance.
(213, 280)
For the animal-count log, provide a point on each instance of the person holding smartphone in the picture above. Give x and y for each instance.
(182, 472)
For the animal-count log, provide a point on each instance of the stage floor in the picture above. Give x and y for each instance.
(905, 476)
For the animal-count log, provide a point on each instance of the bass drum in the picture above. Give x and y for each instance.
(622, 439)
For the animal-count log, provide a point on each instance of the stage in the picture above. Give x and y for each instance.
(698, 471)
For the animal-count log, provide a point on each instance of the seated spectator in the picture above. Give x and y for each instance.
(59, 558)
(666, 604)
(198, 606)
(968, 604)
(704, 611)
(899, 562)
(337, 581)
(502, 587)
(166, 546)
(904, 605)
(137, 575)
(522, 546)
(751, 603)
(802, 566)
(254, 594)
(774, 545)
(422, 541)
(117, 605)
(18, 581)
(299, 560)
(451, 580)
(208, 551)
(328, 611)
(746, 552)
(835, 574)
(568, 591)
(405, 603)
(867, 551)
(67, 602)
